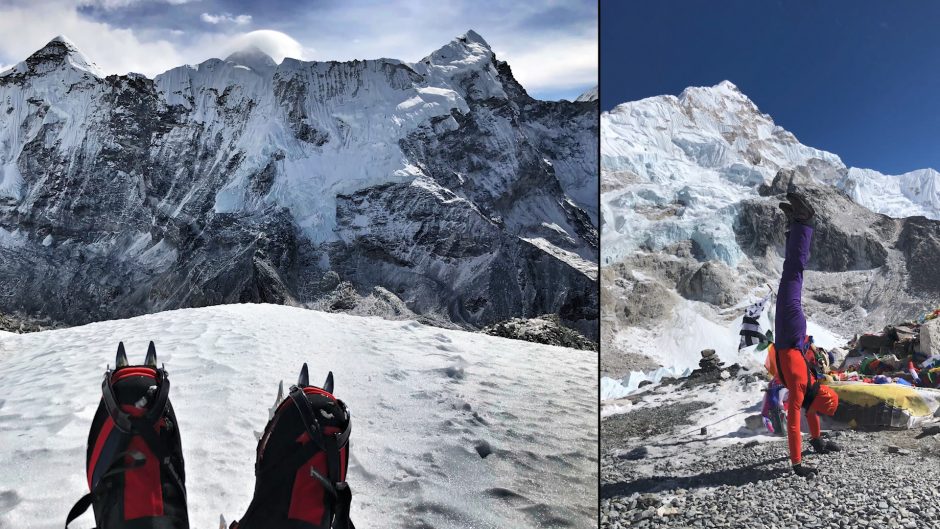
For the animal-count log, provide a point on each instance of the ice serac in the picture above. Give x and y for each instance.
(245, 180)
(692, 232)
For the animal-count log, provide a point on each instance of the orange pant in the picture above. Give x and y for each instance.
(793, 368)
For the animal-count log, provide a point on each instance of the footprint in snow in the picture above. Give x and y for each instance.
(8, 500)
(483, 448)
(454, 372)
(442, 338)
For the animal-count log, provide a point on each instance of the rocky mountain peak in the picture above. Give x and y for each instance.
(252, 57)
(467, 50)
(58, 52)
(722, 96)
(473, 37)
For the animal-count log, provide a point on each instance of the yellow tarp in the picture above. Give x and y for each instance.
(883, 405)
(894, 395)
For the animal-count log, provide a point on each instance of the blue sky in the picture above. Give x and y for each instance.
(551, 45)
(859, 78)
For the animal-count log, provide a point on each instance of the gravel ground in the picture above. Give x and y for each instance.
(647, 422)
(880, 479)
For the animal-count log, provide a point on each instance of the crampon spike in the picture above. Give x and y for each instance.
(121, 359)
(304, 379)
(151, 360)
(277, 401)
(328, 385)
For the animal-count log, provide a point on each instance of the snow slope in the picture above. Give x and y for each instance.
(898, 196)
(421, 399)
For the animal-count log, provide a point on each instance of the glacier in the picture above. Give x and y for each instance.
(706, 150)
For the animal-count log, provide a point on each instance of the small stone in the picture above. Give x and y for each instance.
(666, 511)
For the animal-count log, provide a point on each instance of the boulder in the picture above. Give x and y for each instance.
(712, 282)
(930, 337)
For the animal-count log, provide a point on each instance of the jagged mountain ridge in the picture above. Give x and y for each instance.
(691, 229)
(440, 182)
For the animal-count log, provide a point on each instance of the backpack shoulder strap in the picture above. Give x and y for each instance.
(812, 389)
(115, 468)
(779, 366)
(343, 502)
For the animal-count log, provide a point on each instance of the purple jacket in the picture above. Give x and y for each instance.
(790, 323)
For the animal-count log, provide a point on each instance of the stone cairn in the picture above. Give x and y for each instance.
(710, 362)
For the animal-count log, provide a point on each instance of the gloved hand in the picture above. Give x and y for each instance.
(804, 471)
(824, 446)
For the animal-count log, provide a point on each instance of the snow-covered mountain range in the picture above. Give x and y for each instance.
(479, 453)
(691, 233)
(437, 188)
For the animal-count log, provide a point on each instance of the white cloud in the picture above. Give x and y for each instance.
(276, 44)
(226, 18)
(554, 63)
(115, 4)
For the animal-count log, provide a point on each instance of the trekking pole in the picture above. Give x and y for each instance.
(770, 309)
(719, 421)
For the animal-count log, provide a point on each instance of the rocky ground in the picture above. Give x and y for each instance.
(546, 329)
(18, 324)
(880, 479)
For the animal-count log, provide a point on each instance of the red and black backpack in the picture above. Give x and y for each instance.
(301, 463)
(134, 460)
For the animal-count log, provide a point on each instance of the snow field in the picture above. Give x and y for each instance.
(425, 403)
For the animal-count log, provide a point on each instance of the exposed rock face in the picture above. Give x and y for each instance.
(919, 241)
(438, 189)
(930, 338)
(711, 282)
(18, 325)
(546, 330)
